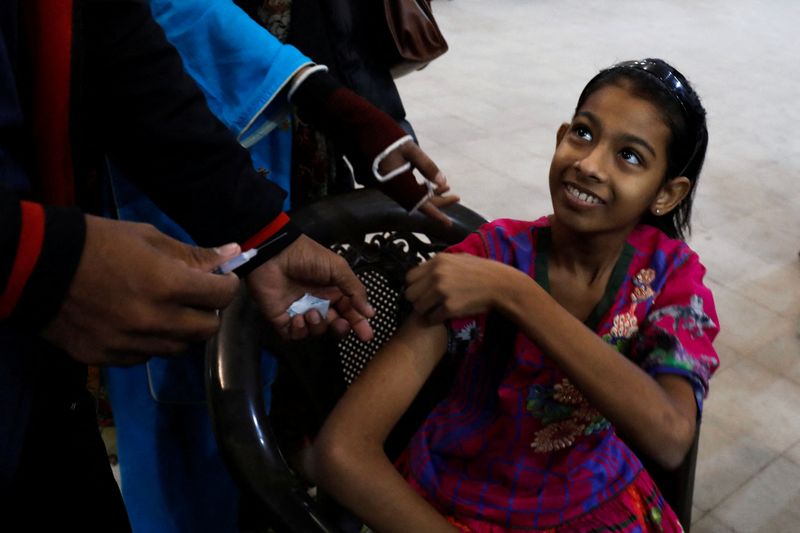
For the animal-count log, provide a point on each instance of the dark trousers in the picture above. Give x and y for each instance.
(59, 477)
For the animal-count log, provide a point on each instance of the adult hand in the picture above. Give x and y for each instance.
(308, 267)
(138, 293)
(453, 285)
(410, 152)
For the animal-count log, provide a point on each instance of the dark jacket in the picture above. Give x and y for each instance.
(81, 81)
(350, 37)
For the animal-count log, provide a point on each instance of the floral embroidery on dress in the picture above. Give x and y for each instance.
(626, 324)
(563, 410)
(642, 290)
(664, 349)
(692, 318)
(556, 436)
(565, 392)
(565, 414)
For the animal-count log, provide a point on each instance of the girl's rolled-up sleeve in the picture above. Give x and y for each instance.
(677, 334)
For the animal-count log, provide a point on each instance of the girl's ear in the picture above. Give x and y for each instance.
(562, 130)
(670, 195)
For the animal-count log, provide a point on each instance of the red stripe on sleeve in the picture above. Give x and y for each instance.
(266, 232)
(31, 237)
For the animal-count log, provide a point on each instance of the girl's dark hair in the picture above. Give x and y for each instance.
(657, 81)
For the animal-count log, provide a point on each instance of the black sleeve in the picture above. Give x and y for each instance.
(40, 248)
(153, 122)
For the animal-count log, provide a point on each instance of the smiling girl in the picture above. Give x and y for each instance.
(570, 331)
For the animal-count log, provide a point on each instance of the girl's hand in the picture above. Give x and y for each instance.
(451, 285)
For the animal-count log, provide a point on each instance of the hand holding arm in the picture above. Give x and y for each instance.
(452, 285)
(306, 266)
(661, 422)
(138, 292)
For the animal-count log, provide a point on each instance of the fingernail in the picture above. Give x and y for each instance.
(227, 249)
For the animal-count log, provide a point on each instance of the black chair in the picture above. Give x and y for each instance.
(381, 242)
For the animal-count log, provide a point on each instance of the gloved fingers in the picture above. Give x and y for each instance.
(440, 185)
(393, 161)
(424, 164)
(432, 208)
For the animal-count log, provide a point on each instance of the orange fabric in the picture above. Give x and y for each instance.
(49, 28)
(31, 237)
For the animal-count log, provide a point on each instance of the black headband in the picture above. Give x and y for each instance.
(663, 73)
(675, 87)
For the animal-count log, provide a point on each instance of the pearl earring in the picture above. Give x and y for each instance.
(658, 211)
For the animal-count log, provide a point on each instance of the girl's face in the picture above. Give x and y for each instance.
(609, 163)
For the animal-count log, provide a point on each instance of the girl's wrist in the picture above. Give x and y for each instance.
(518, 295)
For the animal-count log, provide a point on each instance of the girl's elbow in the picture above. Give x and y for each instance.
(336, 455)
(678, 443)
(672, 459)
(328, 456)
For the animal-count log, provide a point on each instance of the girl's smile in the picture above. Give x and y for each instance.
(581, 197)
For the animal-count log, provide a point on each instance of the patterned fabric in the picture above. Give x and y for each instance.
(637, 509)
(275, 16)
(314, 169)
(515, 444)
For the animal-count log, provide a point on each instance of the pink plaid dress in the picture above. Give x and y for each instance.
(515, 446)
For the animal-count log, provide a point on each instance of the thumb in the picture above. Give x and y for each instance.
(207, 259)
(204, 259)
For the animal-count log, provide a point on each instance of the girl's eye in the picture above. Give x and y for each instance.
(582, 132)
(631, 157)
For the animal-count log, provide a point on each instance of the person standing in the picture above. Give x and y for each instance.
(87, 78)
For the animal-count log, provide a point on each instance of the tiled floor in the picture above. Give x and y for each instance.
(488, 110)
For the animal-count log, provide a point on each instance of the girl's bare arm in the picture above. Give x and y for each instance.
(348, 460)
(658, 415)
